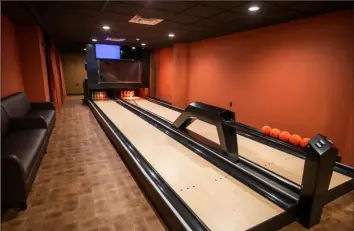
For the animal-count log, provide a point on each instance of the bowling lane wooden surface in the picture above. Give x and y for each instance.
(222, 202)
(286, 165)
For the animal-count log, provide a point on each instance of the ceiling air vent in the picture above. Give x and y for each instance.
(115, 39)
(146, 21)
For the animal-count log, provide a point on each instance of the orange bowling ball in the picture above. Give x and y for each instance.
(304, 142)
(295, 139)
(275, 133)
(284, 136)
(266, 130)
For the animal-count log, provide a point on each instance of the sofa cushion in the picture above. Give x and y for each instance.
(16, 105)
(25, 144)
(5, 123)
(48, 115)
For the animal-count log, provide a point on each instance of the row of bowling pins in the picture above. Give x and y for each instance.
(127, 93)
(97, 95)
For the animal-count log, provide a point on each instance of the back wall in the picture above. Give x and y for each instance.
(74, 72)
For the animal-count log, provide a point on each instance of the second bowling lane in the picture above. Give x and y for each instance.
(219, 200)
(280, 162)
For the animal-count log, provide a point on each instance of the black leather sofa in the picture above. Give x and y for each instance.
(25, 131)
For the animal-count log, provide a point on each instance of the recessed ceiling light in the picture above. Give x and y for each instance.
(133, 48)
(94, 40)
(105, 27)
(143, 44)
(253, 8)
(171, 35)
(137, 39)
(84, 49)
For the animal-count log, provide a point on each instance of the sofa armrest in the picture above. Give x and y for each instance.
(43, 106)
(13, 181)
(23, 123)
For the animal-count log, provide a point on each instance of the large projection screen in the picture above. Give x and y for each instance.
(119, 71)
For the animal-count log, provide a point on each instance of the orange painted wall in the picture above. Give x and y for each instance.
(296, 76)
(57, 80)
(180, 70)
(11, 73)
(164, 76)
(30, 40)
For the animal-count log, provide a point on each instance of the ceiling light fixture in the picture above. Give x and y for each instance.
(171, 35)
(105, 27)
(84, 49)
(115, 39)
(133, 48)
(94, 40)
(137, 39)
(253, 8)
(143, 44)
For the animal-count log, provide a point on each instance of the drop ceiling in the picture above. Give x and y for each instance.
(73, 24)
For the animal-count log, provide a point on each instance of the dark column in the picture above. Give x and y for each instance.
(320, 158)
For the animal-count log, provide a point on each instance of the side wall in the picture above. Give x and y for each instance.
(11, 72)
(296, 76)
(24, 64)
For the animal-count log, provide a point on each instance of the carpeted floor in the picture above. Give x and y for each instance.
(82, 184)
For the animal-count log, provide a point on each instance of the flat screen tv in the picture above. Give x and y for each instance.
(104, 51)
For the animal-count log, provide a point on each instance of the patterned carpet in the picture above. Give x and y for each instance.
(82, 184)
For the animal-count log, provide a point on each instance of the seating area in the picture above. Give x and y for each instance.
(25, 131)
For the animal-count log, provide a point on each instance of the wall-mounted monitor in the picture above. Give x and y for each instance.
(105, 51)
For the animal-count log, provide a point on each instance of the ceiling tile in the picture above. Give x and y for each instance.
(166, 27)
(173, 6)
(138, 3)
(193, 27)
(207, 23)
(90, 5)
(154, 13)
(315, 7)
(183, 18)
(123, 8)
(271, 11)
(225, 5)
(202, 11)
(115, 17)
(226, 16)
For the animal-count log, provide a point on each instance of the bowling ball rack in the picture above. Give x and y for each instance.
(303, 203)
(256, 135)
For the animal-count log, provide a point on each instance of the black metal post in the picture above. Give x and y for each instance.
(320, 158)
